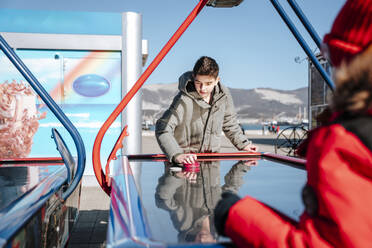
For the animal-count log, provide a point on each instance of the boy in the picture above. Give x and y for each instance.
(199, 113)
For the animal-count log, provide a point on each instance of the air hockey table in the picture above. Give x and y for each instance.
(154, 204)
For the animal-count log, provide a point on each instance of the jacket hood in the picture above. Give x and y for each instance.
(186, 85)
(184, 80)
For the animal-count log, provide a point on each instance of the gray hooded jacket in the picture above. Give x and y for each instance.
(192, 125)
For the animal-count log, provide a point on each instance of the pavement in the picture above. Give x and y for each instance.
(266, 143)
(91, 227)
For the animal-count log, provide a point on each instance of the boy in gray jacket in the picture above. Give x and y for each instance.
(199, 113)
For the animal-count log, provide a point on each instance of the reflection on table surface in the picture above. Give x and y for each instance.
(17, 180)
(179, 204)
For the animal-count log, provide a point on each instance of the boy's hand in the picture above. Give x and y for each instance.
(188, 158)
(250, 162)
(250, 148)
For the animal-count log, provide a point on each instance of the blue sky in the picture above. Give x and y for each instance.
(251, 43)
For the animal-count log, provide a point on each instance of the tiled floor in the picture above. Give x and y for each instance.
(91, 227)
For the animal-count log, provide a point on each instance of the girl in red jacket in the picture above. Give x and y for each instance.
(338, 193)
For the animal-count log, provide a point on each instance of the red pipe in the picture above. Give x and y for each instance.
(97, 143)
(36, 159)
(234, 155)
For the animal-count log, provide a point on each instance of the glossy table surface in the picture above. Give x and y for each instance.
(17, 179)
(179, 205)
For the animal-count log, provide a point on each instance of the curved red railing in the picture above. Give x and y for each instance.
(100, 175)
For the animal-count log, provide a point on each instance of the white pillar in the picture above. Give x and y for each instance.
(131, 69)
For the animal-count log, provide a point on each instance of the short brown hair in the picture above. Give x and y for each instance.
(206, 66)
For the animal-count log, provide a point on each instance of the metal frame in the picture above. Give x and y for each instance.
(314, 35)
(323, 62)
(301, 40)
(68, 160)
(71, 42)
(63, 41)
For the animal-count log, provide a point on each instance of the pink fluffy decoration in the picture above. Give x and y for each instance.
(18, 120)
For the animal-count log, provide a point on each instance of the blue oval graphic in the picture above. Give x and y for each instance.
(91, 85)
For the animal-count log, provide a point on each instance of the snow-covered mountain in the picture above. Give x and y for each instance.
(252, 105)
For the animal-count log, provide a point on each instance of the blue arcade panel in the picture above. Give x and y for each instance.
(86, 86)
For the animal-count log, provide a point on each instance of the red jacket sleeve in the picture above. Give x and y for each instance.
(253, 224)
